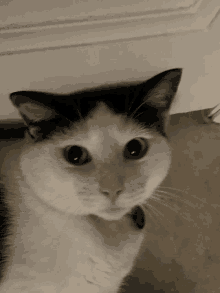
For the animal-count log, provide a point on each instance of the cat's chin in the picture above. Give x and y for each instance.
(112, 215)
(136, 215)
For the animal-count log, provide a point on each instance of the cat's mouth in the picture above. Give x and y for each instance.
(136, 214)
(114, 213)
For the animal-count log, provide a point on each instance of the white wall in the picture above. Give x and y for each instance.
(64, 70)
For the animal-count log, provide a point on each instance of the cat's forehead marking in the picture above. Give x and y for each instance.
(106, 128)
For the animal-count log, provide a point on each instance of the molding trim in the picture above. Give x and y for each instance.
(104, 19)
(113, 27)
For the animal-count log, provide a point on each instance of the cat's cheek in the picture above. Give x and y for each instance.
(153, 183)
(156, 177)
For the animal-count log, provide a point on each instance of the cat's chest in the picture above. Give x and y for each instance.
(61, 264)
(66, 255)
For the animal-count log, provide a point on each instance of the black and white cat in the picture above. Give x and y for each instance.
(75, 184)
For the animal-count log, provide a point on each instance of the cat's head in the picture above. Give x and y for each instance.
(101, 151)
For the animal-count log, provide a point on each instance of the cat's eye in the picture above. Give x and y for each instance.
(76, 155)
(136, 149)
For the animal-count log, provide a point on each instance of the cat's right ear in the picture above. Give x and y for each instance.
(31, 110)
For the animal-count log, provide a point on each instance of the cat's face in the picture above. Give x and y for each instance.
(106, 161)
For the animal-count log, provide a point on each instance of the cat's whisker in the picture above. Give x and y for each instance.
(132, 102)
(161, 201)
(182, 191)
(149, 207)
(165, 197)
(156, 212)
(167, 187)
(149, 213)
(80, 115)
(138, 115)
(169, 195)
(178, 196)
(150, 210)
(137, 109)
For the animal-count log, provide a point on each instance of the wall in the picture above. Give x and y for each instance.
(72, 54)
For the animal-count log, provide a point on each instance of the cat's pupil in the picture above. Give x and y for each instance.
(136, 149)
(76, 155)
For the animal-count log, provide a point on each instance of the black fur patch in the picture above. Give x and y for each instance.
(138, 217)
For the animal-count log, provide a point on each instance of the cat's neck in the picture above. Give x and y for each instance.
(51, 242)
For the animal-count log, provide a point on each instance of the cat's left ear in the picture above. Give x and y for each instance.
(31, 110)
(155, 98)
(163, 88)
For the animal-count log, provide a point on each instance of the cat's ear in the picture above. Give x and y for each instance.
(163, 88)
(154, 99)
(31, 110)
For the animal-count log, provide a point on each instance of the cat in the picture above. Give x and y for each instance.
(76, 183)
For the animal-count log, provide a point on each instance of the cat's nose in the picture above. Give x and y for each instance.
(112, 194)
